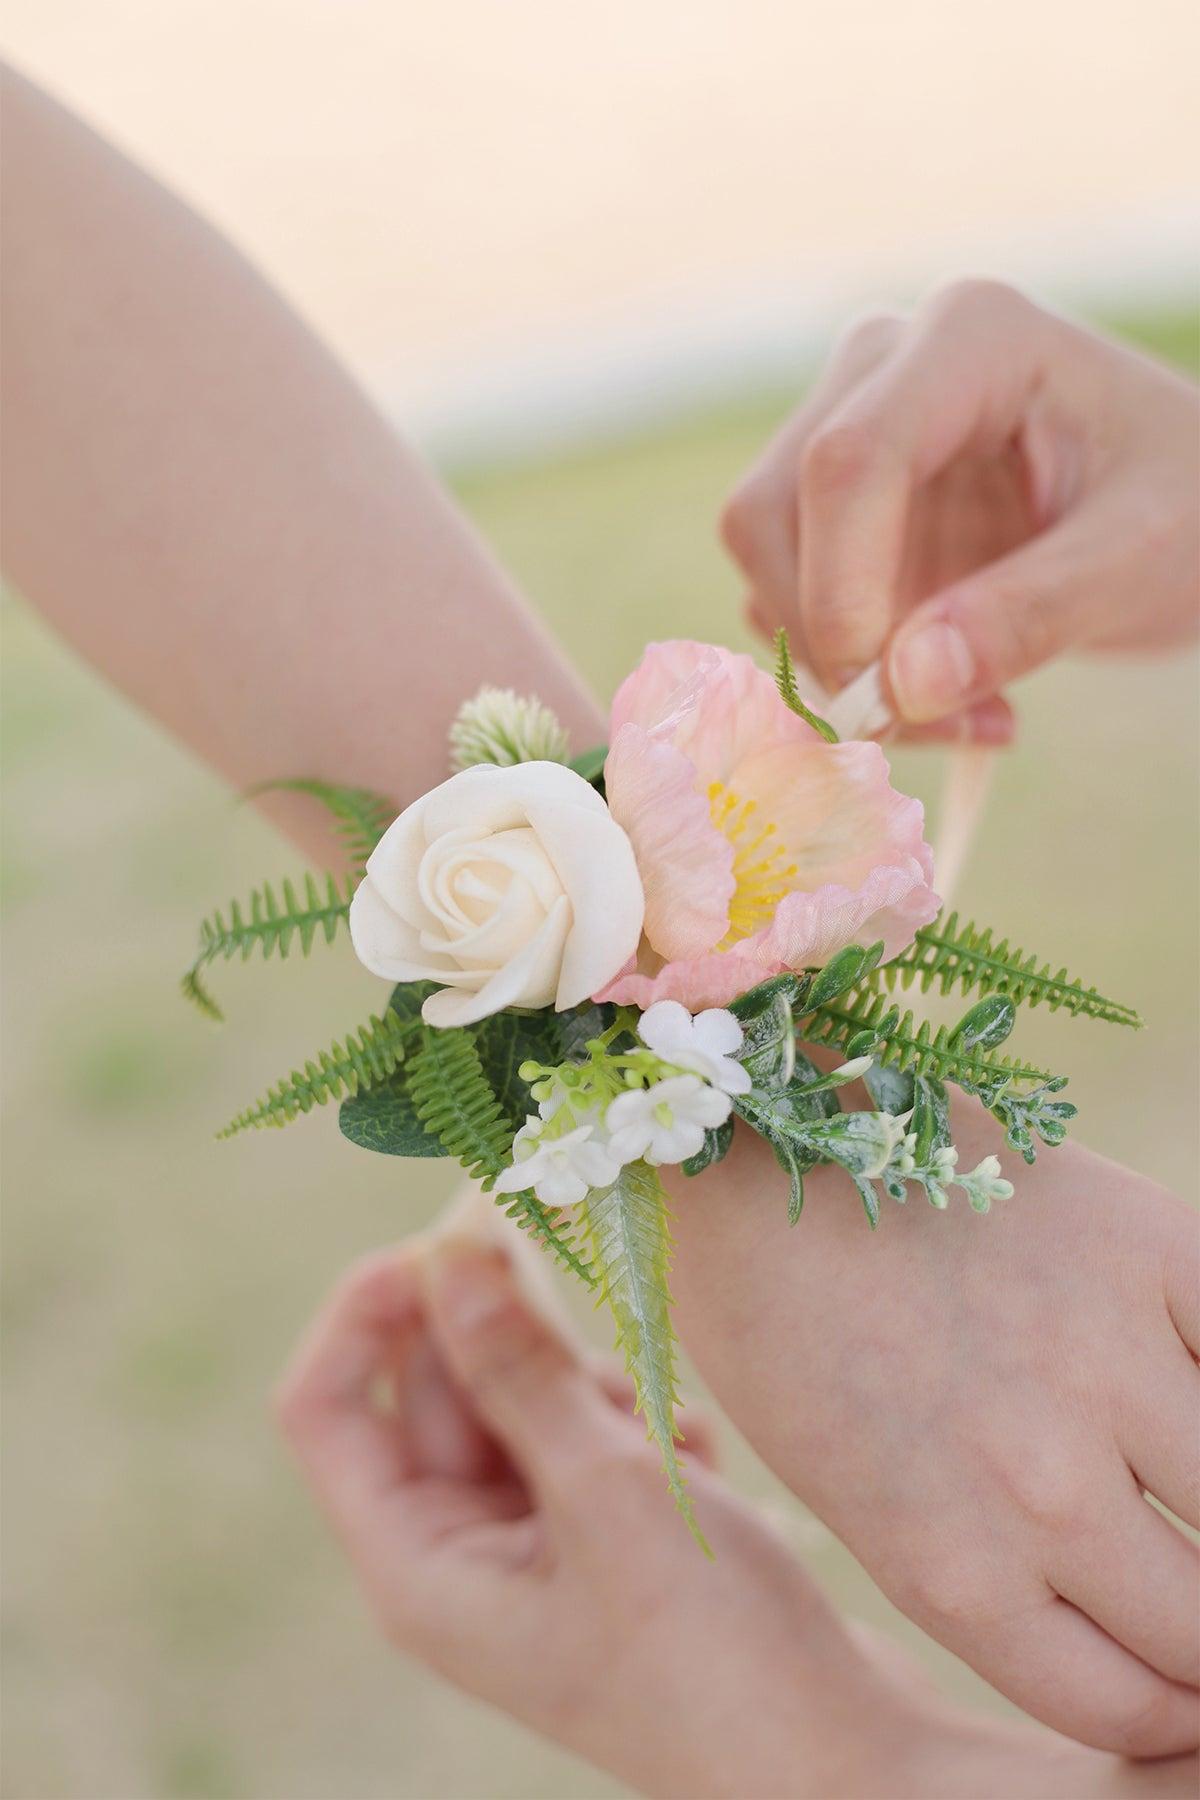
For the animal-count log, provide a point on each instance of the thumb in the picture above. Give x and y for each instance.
(1007, 619)
(528, 1386)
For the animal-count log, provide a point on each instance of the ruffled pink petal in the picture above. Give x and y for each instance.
(809, 928)
(715, 706)
(685, 863)
(835, 810)
(702, 981)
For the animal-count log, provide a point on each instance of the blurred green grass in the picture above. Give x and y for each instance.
(176, 1622)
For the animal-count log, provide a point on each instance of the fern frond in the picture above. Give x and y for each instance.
(953, 954)
(269, 926)
(360, 817)
(549, 1227)
(368, 1056)
(913, 1048)
(789, 693)
(631, 1245)
(453, 1098)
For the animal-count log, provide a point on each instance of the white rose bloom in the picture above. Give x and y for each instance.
(559, 1170)
(508, 887)
(665, 1123)
(702, 1044)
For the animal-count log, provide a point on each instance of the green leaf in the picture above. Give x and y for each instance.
(384, 1119)
(795, 1168)
(506, 1040)
(869, 1198)
(914, 1048)
(785, 681)
(890, 1089)
(267, 926)
(360, 816)
(953, 954)
(631, 1250)
(550, 1228)
(843, 971)
(454, 1099)
(856, 1140)
(590, 764)
(930, 1122)
(768, 1051)
(366, 1058)
(716, 1145)
(1037, 1111)
(986, 1025)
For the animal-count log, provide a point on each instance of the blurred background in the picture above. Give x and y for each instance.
(588, 255)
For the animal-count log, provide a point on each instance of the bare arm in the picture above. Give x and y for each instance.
(203, 502)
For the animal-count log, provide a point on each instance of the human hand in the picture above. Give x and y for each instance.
(510, 1525)
(974, 1407)
(974, 491)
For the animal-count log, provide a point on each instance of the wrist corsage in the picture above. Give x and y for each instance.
(603, 967)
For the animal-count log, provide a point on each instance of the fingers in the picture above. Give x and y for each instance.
(1061, 1668)
(526, 1383)
(1182, 1283)
(1160, 1441)
(990, 723)
(350, 1449)
(958, 381)
(1138, 1585)
(759, 525)
(407, 1478)
(1007, 620)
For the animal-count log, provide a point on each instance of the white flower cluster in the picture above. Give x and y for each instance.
(661, 1122)
(981, 1185)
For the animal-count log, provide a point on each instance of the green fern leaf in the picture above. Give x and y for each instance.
(367, 1057)
(360, 817)
(628, 1226)
(269, 927)
(549, 1227)
(789, 693)
(454, 1099)
(954, 954)
(899, 1042)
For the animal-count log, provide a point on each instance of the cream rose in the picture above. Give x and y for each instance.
(510, 887)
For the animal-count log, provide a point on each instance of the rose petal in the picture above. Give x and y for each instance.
(387, 944)
(529, 979)
(594, 860)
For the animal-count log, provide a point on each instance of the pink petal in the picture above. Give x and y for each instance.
(702, 981)
(685, 863)
(809, 928)
(717, 707)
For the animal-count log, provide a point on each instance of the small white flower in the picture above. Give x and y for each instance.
(665, 1123)
(703, 1044)
(498, 726)
(560, 1170)
(985, 1183)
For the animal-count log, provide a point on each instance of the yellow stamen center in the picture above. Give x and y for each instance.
(761, 871)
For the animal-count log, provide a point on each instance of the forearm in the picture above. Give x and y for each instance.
(207, 507)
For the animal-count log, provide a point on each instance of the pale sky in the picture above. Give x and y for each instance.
(451, 190)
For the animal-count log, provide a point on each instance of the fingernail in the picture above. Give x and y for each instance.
(470, 1283)
(931, 671)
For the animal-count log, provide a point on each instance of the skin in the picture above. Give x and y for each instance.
(974, 1406)
(182, 455)
(970, 493)
(213, 514)
(508, 1522)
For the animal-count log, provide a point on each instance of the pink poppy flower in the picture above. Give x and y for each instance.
(760, 846)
